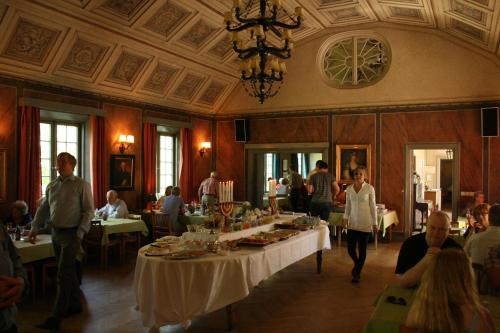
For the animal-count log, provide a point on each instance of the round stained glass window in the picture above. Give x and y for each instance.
(354, 59)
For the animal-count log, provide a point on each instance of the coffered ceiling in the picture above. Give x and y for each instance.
(176, 53)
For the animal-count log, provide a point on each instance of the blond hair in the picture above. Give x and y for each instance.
(447, 285)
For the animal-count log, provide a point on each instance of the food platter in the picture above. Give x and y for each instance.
(188, 254)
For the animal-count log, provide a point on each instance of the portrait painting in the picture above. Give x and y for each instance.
(122, 172)
(348, 158)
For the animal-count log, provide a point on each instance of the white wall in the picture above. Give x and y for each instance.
(428, 66)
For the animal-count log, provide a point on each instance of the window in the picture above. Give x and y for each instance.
(166, 162)
(269, 168)
(55, 138)
(354, 59)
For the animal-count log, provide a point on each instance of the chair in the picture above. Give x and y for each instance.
(94, 239)
(130, 238)
(161, 225)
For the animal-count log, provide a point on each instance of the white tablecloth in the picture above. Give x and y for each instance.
(171, 291)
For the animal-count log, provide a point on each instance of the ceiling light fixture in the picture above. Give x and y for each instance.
(259, 65)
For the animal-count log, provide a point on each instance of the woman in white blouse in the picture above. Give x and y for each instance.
(360, 218)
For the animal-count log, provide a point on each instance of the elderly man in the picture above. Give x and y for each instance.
(173, 206)
(207, 192)
(417, 251)
(115, 207)
(478, 245)
(12, 282)
(69, 205)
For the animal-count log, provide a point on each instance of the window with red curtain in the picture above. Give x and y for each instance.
(98, 159)
(149, 159)
(186, 165)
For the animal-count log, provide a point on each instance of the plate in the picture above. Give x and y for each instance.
(182, 255)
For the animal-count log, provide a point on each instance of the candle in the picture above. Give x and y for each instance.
(236, 4)
(287, 34)
(235, 36)
(219, 191)
(232, 198)
(298, 12)
(228, 17)
(283, 67)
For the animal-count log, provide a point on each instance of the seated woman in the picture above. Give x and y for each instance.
(161, 201)
(19, 215)
(282, 189)
(447, 300)
(478, 221)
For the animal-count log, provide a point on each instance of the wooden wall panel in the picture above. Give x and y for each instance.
(355, 129)
(230, 161)
(125, 120)
(202, 131)
(61, 98)
(8, 140)
(283, 130)
(494, 171)
(431, 127)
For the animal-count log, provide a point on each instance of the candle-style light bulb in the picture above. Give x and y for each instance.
(299, 12)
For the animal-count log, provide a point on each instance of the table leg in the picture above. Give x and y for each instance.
(390, 232)
(319, 261)
(229, 312)
(339, 235)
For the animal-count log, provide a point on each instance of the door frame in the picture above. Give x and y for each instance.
(455, 196)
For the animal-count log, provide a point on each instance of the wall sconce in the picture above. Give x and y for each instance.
(204, 146)
(125, 142)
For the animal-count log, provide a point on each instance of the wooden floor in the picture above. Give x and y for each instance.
(293, 300)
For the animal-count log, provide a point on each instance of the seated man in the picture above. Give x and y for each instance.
(416, 251)
(19, 215)
(173, 206)
(479, 244)
(115, 207)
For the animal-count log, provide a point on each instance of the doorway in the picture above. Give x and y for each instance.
(432, 182)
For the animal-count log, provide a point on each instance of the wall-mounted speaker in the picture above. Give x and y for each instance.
(241, 130)
(489, 121)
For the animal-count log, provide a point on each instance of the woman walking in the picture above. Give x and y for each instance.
(360, 218)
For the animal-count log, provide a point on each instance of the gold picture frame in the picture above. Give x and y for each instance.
(3, 175)
(348, 157)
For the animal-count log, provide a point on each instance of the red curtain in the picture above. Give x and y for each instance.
(30, 171)
(98, 160)
(149, 158)
(186, 165)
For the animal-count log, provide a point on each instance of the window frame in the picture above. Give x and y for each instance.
(175, 159)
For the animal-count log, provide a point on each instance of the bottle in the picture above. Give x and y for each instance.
(96, 215)
(18, 233)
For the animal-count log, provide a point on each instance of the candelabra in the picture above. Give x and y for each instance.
(273, 205)
(226, 209)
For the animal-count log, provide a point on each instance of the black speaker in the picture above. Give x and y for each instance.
(241, 130)
(489, 121)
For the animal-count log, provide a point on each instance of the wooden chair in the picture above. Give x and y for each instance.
(93, 239)
(161, 225)
(130, 238)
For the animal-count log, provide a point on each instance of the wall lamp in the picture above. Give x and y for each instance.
(125, 142)
(204, 146)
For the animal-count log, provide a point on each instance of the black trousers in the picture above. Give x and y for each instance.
(357, 239)
(295, 199)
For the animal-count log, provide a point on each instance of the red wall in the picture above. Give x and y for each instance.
(290, 129)
(202, 131)
(230, 161)
(8, 140)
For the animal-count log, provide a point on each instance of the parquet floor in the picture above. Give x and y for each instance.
(293, 300)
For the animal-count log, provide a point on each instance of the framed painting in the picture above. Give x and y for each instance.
(348, 158)
(3, 175)
(122, 172)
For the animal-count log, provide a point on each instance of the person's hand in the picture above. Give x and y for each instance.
(344, 223)
(32, 236)
(375, 228)
(11, 289)
(433, 250)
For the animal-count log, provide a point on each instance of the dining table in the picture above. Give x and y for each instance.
(174, 291)
(385, 222)
(42, 249)
(122, 225)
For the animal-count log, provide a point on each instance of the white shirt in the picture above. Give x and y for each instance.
(360, 208)
(478, 245)
(117, 210)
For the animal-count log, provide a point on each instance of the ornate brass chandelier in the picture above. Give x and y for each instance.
(259, 65)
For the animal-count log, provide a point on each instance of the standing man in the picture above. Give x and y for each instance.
(69, 206)
(321, 186)
(296, 184)
(208, 191)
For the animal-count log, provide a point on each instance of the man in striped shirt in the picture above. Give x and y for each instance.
(207, 192)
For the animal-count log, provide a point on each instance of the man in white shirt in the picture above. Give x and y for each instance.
(478, 245)
(115, 207)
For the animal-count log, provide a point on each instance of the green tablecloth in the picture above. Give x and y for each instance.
(387, 317)
(192, 219)
(42, 249)
(116, 226)
(384, 221)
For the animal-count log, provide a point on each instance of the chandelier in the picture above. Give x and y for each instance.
(260, 66)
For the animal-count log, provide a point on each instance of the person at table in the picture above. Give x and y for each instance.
(478, 245)
(360, 218)
(115, 207)
(69, 205)
(417, 251)
(161, 201)
(478, 199)
(447, 299)
(207, 192)
(479, 221)
(19, 215)
(321, 186)
(13, 281)
(173, 206)
(282, 189)
(296, 184)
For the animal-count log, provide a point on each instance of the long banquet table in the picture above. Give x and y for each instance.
(174, 291)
